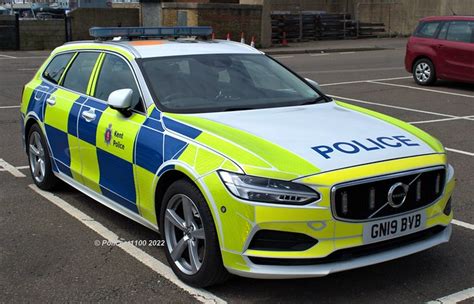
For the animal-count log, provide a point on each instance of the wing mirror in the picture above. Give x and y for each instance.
(121, 100)
(314, 83)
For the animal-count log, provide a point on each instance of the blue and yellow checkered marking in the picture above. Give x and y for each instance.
(74, 114)
(181, 128)
(116, 179)
(38, 98)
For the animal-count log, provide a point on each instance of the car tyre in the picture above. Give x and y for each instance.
(39, 160)
(424, 72)
(192, 246)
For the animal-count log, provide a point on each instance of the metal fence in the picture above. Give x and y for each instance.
(9, 32)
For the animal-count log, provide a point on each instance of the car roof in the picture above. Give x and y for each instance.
(448, 18)
(165, 48)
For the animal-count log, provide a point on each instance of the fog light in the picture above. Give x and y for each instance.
(447, 208)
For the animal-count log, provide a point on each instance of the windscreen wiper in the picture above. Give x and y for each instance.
(314, 101)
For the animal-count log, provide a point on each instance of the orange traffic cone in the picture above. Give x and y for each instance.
(252, 42)
(242, 39)
(284, 42)
(228, 36)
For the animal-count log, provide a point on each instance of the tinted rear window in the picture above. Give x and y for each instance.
(427, 29)
(77, 76)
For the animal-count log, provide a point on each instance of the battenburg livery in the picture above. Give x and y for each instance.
(242, 165)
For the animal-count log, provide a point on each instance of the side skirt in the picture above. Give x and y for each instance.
(107, 202)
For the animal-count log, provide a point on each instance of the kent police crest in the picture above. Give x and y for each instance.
(108, 134)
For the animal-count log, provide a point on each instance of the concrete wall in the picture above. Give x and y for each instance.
(401, 17)
(85, 18)
(41, 34)
(224, 18)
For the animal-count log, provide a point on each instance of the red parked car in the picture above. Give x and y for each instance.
(442, 48)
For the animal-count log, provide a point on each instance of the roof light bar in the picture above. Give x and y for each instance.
(156, 32)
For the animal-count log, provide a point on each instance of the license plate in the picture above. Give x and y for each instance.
(393, 227)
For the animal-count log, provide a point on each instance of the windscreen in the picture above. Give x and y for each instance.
(223, 82)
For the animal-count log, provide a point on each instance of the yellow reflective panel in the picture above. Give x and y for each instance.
(74, 153)
(91, 171)
(123, 132)
(145, 187)
(94, 46)
(57, 115)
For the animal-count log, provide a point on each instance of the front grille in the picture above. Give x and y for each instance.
(354, 252)
(369, 199)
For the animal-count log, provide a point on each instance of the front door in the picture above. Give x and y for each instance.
(108, 137)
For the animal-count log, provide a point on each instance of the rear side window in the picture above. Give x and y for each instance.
(427, 29)
(77, 76)
(56, 67)
(115, 74)
(460, 31)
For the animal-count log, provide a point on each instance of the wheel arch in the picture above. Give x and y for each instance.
(168, 177)
(29, 122)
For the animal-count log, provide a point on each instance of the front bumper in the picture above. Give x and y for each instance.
(292, 272)
(242, 220)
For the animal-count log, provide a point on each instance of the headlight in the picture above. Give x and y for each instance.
(267, 190)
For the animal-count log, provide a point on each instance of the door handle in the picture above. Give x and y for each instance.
(51, 100)
(89, 115)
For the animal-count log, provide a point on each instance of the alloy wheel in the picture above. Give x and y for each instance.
(184, 234)
(37, 157)
(423, 72)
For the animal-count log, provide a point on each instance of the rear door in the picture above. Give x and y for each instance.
(107, 136)
(60, 116)
(456, 50)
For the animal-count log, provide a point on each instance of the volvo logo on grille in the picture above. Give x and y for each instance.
(397, 194)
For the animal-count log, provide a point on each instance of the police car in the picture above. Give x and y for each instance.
(242, 166)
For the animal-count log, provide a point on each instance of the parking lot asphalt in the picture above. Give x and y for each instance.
(48, 243)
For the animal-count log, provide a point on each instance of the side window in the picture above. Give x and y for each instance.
(460, 31)
(56, 67)
(427, 29)
(115, 74)
(77, 76)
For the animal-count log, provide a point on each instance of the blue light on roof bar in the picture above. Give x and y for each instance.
(172, 31)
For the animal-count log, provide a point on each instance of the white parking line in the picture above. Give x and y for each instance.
(346, 53)
(9, 107)
(362, 81)
(22, 167)
(463, 224)
(28, 69)
(421, 89)
(319, 54)
(201, 295)
(440, 120)
(7, 167)
(7, 56)
(283, 57)
(393, 107)
(455, 297)
(351, 70)
(460, 151)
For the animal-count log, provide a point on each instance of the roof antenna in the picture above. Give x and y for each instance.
(452, 12)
